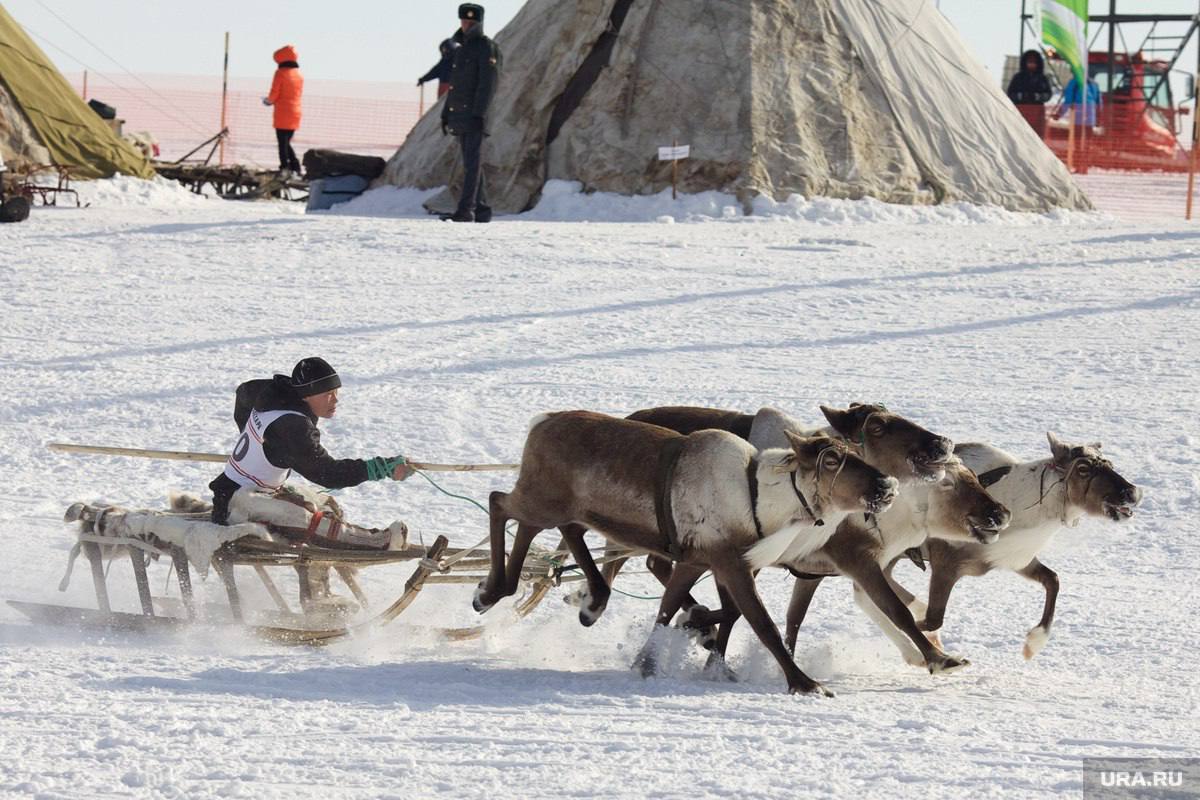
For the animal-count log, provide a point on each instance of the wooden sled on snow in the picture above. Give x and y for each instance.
(438, 563)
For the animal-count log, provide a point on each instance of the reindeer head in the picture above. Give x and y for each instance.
(961, 509)
(836, 477)
(892, 443)
(1091, 483)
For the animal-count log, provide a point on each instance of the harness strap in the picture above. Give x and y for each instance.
(664, 477)
(803, 502)
(313, 524)
(752, 482)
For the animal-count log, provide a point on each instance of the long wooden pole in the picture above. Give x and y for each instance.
(85, 86)
(421, 110)
(224, 101)
(183, 455)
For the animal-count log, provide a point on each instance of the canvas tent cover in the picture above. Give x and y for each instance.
(835, 98)
(42, 118)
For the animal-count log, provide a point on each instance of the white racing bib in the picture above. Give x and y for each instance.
(248, 465)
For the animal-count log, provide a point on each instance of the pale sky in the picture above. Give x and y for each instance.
(365, 40)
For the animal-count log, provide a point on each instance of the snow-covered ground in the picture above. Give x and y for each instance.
(131, 322)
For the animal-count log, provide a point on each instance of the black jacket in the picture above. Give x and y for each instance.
(473, 80)
(441, 70)
(292, 442)
(1030, 88)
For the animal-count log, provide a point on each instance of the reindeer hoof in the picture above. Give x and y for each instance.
(935, 639)
(947, 664)
(646, 664)
(811, 687)
(1035, 640)
(716, 668)
(480, 601)
(591, 610)
(695, 622)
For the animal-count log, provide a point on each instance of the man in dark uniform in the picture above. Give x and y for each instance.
(464, 114)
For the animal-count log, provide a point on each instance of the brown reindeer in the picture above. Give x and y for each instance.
(702, 499)
(889, 442)
(1045, 495)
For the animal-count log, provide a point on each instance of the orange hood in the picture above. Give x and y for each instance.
(285, 53)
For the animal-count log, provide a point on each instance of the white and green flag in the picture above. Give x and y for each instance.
(1064, 28)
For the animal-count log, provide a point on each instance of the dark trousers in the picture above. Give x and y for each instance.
(474, 193)
(287, 156)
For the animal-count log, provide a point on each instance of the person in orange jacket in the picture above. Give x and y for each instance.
(286, 89)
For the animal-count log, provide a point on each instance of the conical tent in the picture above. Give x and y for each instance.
(834, 98)
(43, 120)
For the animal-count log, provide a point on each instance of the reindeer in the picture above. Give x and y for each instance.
(700, 499)
(955, 509)
(1045, 495)
(889, 442)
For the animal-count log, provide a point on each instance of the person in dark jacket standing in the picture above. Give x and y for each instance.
(473, 80)
(1029, 90)
(441, 70)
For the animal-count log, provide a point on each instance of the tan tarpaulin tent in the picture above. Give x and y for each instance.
(43, 120)
(832, 98)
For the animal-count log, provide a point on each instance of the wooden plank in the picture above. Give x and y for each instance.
(225, 570)
(143, 581)
(92, 551)
(183, 571)
(272, 589)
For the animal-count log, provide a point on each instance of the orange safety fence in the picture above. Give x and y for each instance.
(366, 118)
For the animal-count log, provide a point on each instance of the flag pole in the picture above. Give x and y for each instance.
(224, 100)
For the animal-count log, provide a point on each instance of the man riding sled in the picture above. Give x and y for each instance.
(277, 420)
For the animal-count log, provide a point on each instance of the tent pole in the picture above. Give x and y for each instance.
(85, 86)
(224, 100)
(421, 110)
(1192, 159)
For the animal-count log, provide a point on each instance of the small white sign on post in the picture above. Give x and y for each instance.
(674, 153)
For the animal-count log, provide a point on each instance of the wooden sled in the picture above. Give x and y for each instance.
(435, 564)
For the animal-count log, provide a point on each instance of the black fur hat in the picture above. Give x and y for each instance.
(314, 376)
(471, 11)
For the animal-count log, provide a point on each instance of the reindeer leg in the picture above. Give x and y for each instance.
(683, 577)
(802, 595)
(941, 582)
(716, 666)
(876, 598)
(612, 568)
(501, 582)
(731, 573)
(909, 599)
(593, 603)
(1037, 637)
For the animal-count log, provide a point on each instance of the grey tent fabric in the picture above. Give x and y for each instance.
(834, 98)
